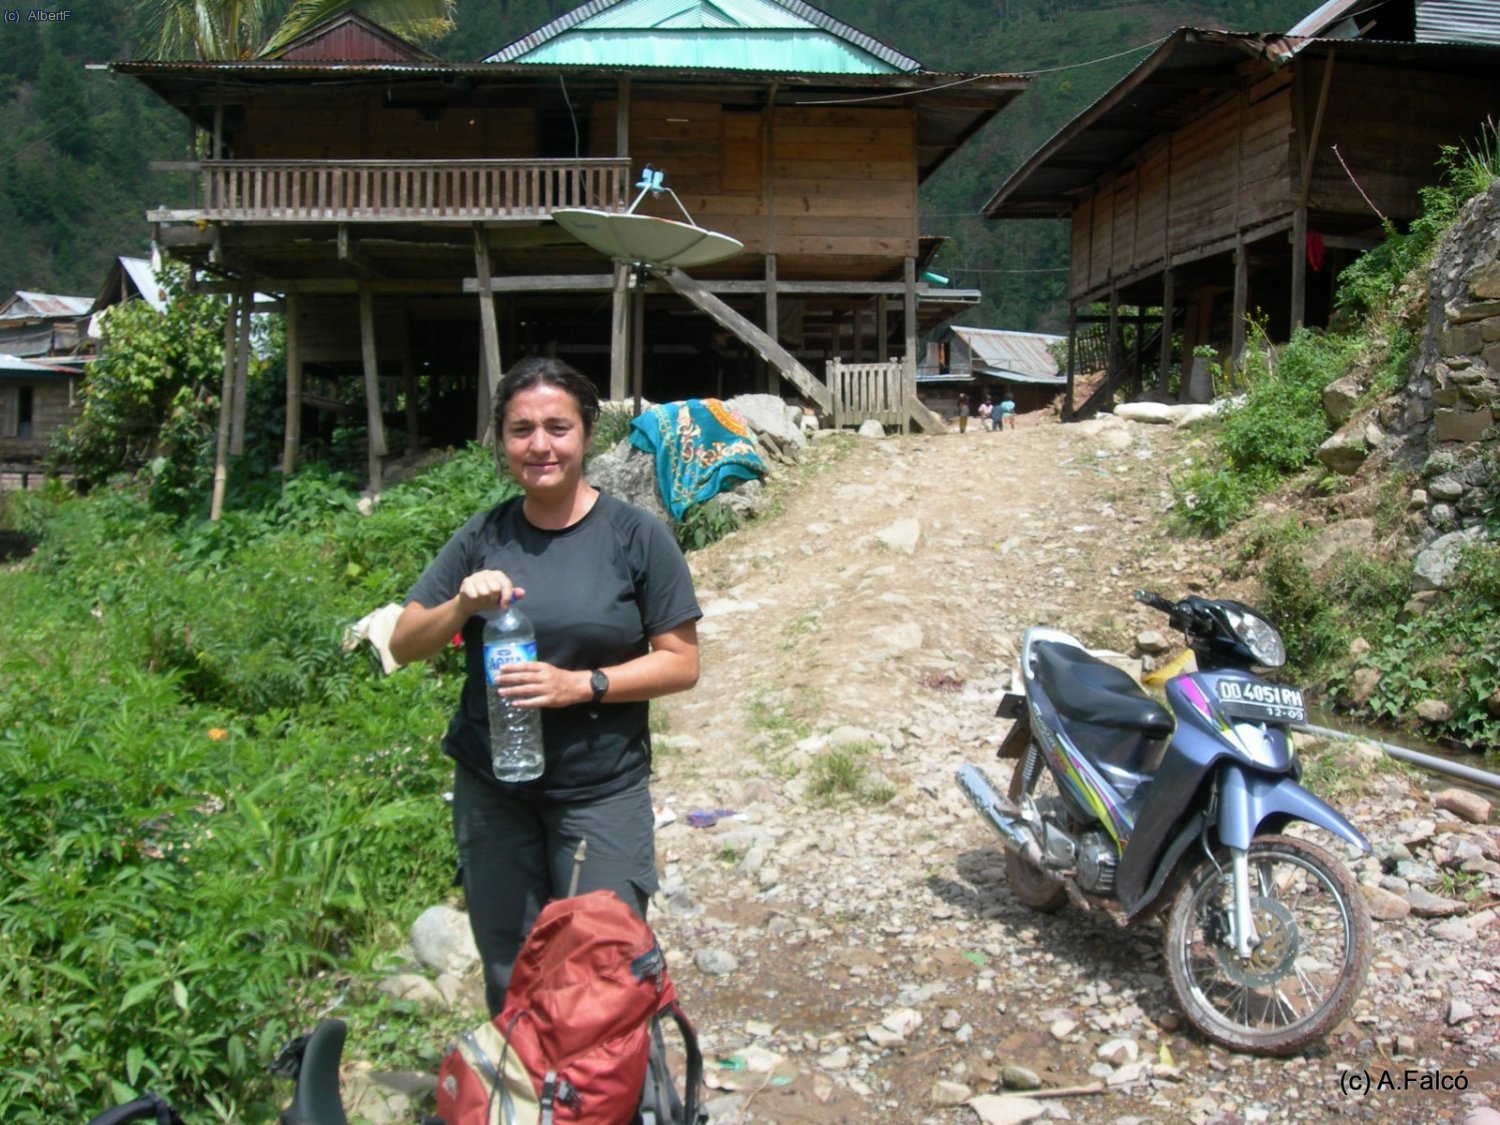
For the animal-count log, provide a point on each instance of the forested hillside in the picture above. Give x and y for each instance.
(75, 144)
(75, 149)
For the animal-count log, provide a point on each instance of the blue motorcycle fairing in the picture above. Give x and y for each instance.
(1249, 800)
(1204, 742)
(1194, 699)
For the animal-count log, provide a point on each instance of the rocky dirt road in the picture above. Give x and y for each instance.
(847, 942)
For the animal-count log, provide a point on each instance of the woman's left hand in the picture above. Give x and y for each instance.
(537, 684)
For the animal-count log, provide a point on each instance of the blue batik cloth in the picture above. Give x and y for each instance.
(700, 447)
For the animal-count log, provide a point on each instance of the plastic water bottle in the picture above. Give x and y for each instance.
(515, 732)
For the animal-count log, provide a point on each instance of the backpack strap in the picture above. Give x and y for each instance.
(693, 1079)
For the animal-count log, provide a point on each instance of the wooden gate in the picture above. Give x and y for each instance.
(865, 391)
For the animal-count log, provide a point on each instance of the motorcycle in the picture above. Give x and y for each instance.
(1120, 803)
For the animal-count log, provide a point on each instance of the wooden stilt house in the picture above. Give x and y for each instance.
(400, 205)
(1234, 174)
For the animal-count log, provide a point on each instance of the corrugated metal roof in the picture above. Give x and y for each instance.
(1325, 18)
(15, 366)
(776, 35)
(1458, 21)
(146, 282)
(1436, 21)
(787, 51)
(26, 305)
(1001, 352)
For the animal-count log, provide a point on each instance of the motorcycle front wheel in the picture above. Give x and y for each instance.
(1305, 972)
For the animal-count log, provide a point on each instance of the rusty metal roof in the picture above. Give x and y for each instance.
(26, 305)
(1022, 355)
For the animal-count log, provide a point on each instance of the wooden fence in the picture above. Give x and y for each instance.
(865, 391)
(365, 190)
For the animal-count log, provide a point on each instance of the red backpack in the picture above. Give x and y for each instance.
(573, 1044)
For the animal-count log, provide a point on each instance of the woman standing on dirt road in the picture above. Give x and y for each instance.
(610, 597)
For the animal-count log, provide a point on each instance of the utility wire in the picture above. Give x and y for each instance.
(1153, 44)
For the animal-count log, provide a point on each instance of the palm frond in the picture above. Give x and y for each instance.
(417, 20)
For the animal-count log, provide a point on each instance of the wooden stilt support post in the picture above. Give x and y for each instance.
(1138, 378)
(1067, 414)
(490, 335)
(619, 335)
(1112, 362)
(1299, 267)
(1164, 370)
(638, 342)
(1241, 301)
(909, 333)
(226, 407)
(409, 394)
(293, 428)
(245, 305)
(773, 376)
(375, 421)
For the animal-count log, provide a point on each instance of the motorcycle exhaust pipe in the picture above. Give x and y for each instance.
(999, 813)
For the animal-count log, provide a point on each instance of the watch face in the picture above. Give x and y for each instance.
(600, 683)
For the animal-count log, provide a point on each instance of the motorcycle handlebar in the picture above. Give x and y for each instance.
(1154, 600)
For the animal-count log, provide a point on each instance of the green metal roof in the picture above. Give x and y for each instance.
(785, 36)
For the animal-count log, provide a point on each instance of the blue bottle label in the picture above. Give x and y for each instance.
(498, 656)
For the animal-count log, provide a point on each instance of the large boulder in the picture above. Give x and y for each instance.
(444, 941)
(629, 474)
(1345, 451)
(1438, 563)
(1340, 398)
(769, 414)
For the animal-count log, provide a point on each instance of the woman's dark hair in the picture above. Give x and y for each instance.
(543, 371)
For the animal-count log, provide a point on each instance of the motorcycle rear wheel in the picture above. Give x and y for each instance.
(1303, 977)
(1028, 882)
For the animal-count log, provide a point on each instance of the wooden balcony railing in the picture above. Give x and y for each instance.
(376, 190)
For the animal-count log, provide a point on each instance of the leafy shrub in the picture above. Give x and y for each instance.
(382, 554)
(1212, 497)
(705, 524)
(1273, 432)
(1355, 594)
(174, 873)
(1281, 424)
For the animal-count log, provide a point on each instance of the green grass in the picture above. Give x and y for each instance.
(842, 773)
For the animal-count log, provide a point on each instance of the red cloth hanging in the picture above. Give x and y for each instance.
(1315, 250)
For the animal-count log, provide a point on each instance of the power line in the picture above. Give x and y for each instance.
(975, 77)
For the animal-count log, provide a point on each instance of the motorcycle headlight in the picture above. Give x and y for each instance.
(1259, 636)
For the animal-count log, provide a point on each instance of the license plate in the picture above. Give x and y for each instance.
(1273, 703)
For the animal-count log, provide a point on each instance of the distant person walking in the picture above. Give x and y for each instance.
(963, 413)
(1007, 412)
(987, 413)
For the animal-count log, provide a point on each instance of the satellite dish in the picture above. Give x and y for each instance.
(646, 239)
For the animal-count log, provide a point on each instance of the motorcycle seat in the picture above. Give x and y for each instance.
(1087, 690)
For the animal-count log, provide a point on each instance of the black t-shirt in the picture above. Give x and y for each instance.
(595, 592)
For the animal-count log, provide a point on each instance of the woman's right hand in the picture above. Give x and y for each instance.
(485, 590)
(421, 632)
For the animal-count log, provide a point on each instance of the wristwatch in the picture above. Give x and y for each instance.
(600, 683)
